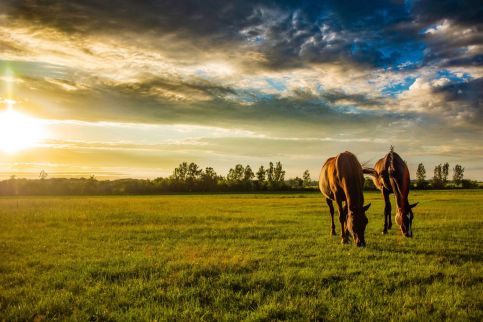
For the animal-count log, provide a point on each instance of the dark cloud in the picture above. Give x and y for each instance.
(347, 32)
(463, 20)
(358, 15)
(220, 19)
(474, 60)
(175, 89)
(289, 33)
(463, 12)
(468, 94)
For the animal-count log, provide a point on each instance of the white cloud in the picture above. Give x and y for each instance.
(439, 28)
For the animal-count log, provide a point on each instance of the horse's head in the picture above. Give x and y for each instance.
(356, 223)
(404, 218)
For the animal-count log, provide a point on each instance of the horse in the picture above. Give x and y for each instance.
(341, 180)
(391, 175)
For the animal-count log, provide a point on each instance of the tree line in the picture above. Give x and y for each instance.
(441, 178)
(189, 177)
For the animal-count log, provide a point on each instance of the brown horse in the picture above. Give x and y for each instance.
(391, 175)
(341, 180)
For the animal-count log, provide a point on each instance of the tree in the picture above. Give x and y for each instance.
(261, 174)
(445, 172)
(306, 178)
(469, 184)
(270, 172)
(209, 179)
(248, 174)
(369, 184)
(236, 175)
(296, 183)
(421, 176)
(43, 175)
(209, 173)
(275, 175)
(180, 173)
(438, 177)
(193, 174)
(279, 173)
(458, 174)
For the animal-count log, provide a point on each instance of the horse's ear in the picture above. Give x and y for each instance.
(366, 206)
(413, 205)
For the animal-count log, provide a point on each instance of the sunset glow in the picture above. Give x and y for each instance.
(18, 131)
(252, 82)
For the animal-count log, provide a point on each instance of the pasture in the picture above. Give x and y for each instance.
(247, 257)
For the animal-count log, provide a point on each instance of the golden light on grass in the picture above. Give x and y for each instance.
(18, 131)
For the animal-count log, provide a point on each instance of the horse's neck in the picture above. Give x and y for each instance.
(397, 189)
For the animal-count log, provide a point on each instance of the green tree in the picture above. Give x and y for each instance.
(210, 173)
(236, 175)
(469, 184)
(278, 173)
(180, 173)
(369, 184)
(421, 176)
(458, 171)
(296, 183)
(194, 173)
(306, 178)
(261, 174)
(270, 173)
(438, 177)
(445, 172)
(275, 175)
(248, 174)
(209, 179)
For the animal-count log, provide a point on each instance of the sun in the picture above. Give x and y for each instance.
(18, 131)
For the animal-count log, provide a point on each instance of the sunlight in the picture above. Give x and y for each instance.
(18, 131)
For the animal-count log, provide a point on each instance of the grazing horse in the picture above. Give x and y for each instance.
(341, 180)
(391, 175)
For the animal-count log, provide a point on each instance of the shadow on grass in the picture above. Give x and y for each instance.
(449, 256)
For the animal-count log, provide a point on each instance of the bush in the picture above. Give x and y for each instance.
(369, 184)
(469, 184)
(421, 185)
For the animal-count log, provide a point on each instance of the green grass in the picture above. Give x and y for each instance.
(236, 257)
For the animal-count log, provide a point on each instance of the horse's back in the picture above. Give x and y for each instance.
(340, 173)
(325, 178)
(391, 165)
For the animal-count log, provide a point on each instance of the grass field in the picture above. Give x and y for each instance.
(236, 257)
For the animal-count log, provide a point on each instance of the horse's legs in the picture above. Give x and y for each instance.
(331, 209)
(387, 211)
(342, 219)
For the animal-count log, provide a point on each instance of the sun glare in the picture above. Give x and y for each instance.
(18, 131)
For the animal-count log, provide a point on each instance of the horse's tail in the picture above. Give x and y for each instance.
(369, 171)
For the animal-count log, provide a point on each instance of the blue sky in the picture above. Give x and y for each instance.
(133, 88)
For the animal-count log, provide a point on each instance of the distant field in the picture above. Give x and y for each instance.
(236, 257)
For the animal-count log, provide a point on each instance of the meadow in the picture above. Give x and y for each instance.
(253, 257)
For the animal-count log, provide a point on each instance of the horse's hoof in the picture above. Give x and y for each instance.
(332, 233)
(344, 241)
(384, 232)
(389, 226)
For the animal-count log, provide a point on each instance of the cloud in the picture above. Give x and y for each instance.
(280, 73)
(450, 43)
(467, 12)
(279, 35)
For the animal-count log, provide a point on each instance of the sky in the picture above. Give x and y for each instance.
(133, 88)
